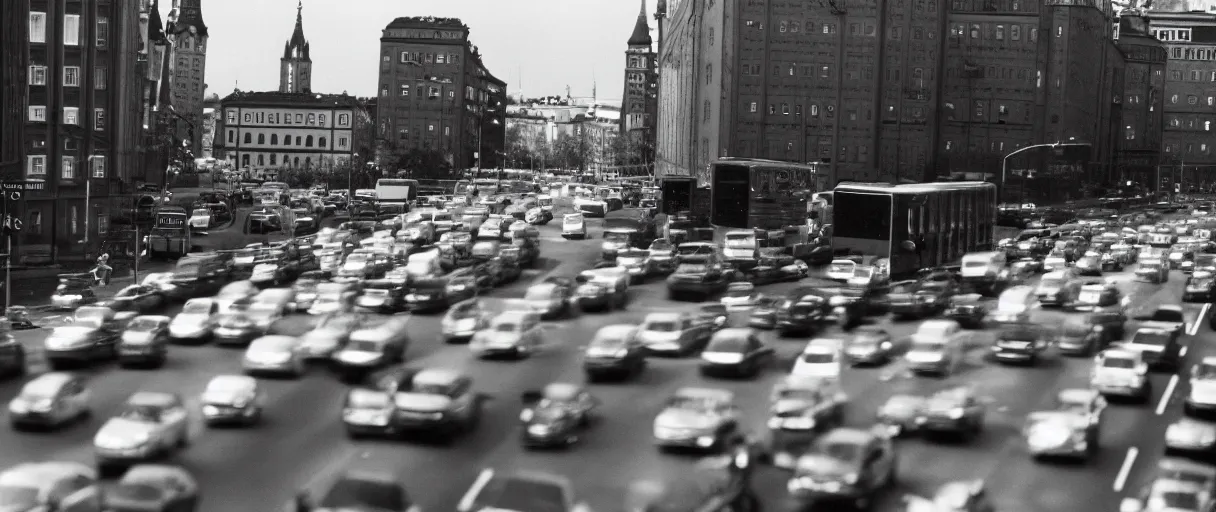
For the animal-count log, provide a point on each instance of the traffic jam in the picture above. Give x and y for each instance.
(499, 350)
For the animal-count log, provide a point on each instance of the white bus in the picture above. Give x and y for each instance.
(392, 190)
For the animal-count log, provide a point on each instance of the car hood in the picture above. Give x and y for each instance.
(133, 497)
(129, 431)
(73, 331)
(820, 466)
(1204, 390)
(222, 397)
(188, 320)
(496, 337)
(787, 406)
(675, 418)
(422, 402)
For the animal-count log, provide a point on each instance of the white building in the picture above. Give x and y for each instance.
(272, 131)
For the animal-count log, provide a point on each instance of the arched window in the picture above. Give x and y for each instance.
(308, 162)
(248, 138)
(261, 138)
(321, 142)
(287, 139)
(297, 164)
(274, 159)
(298, 143)
(245, 160)
(274, 139)
(308, 142)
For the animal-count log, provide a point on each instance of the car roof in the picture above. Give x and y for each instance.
(141, 473)
(721, 395)
(48, 382)
(1077, 395)
(1121, 353)
(512, 316)
(615, 330)
(562, 391)
(154, 318)
(663, 316)
(1170, 307)
(437, 377)
(233, 381)
(153, 399)
(820, 344)
(848, 436)
(733, 333)
(277, 340)
(43, 474)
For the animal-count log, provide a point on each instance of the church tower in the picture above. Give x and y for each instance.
(295, 68)
(639, 104)
(187, 35)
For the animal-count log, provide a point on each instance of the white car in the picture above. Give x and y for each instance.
(935, 347)
(510, 333)
(194, 323)
(200, 219)
(1202, 396)
(150, 425)
(1121, 372)
(275, 354)
(822, 358)
(841, 270)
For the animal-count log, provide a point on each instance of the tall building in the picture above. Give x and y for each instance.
(1143, 102)
(14, 21)
(82, 92)
(187, 35)
(295, 68)
(437, 95)
(890, 90)
(269, 134)
(1189, 141)
(639, 103)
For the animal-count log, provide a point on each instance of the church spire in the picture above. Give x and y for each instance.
(641, 29)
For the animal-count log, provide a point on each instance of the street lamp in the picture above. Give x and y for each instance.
(1005, 162)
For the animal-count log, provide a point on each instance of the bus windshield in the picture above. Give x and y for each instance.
(860, 215)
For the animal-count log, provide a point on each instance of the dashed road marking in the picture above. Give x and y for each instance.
(1193, 328)
(1165, 397)
(1126, 469)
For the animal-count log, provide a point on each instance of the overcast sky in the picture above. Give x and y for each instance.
(544, 45)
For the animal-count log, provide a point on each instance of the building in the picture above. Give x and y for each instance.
(639, 103)
(1188, 141)
(14, 21)
(437, 95)
(295, 68)
(187, 34)
(1143, 102)
(209, 115)
(271, 133)
(891, 90)
(160, 138)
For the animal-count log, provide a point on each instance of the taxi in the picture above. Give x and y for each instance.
(150, 425)
(50, 400)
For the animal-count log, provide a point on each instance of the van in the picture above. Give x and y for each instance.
(983, 267)
(1014, 304)
(424, 264)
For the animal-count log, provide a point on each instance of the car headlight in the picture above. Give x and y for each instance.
(71, 297)
(18, 406)
(956, 413)
(850, 478)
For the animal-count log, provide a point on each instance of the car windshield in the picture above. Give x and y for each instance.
(691, 403)
(614, 340)
(1077, 327)
(863, 272)
(617, 236)
(738, 294)
(1122, 363)
(692, 268)
(132, 291)
(933, 331)
(539, 293)
(1157, 338)
(506, 327)
(975, 264)
(1205, 371)
(1174, 500)
(17, 497)
(927, 346)
(841, 267)
(733, 344)
(363, 346)
(660, 245)
(142, 413)
(357, 494)
(662, 326)
(818, 357)
(1202, 283)
(840, 451)
(197, 307)
(143, 324)
(797, 393)
(1051, 282)
(1071, 404)
(740, 242)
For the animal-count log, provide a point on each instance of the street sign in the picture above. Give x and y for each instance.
(21, 186)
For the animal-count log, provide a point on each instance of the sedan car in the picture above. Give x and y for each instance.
(50, 400)
(1200, 287)
(1192, 437)
(955, 410)
(274, 354)
(463, 320)
(869, 345)
(550, 299)
(702, 418)
(672, 333)
(194, 324)
(92, 335)
(330, 334)
(964, 496)
(737, 352)
(1201, 400)
(844, 465)
(902, 414)
(145, 342)
(138, 298)
(615, 351)
(400, 401)
(1071, 429)
(150, 425)
(510, 333)
(372, 348)
(153, 487)
(803, 405)
(556, 415)
(232, 399)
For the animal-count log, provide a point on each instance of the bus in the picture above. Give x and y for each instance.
(395, 190)
(916, 226)
(761, 194)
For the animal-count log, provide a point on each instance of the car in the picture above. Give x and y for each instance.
(1171, 493)
(334, 298)
(1191, 436)
(697, 418)
(662, 256)
(615, 351)
(145, 341)
(1122, 373)
(602, 289)
(372, 347)
(902, 414)
(232, 399)
(869, 345)
(138, 298)
(159, 487)
(551, 300)
(1071, 429)
(636, 262)
(92, 335)
(1090, 264)
(935, 348)
(195, 323)
(801, 312)
(672, 333)
(1019, 343)
(463, 320)
(400, 400)
(776, 267)
(800, 404)
(955, 410)
(1085, 335)
(1153, 269)
(50, 400)
(960, 496)
(513, 333)
(700, 274)
(968, 310)
(844, 465)
(530, 491)
(822, 358)
(841, 270)
(1160, 348)
(365, 485)
(150, 425)
(1200, 287)
(1058, 288)
(738, 295)
(736, 352)
(919, 299)
(764, 313)
(52, 486)
(274, 354)
(714, 314)
(555, 415)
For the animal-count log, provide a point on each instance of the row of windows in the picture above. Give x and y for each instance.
(992, 6)
(71, 29)
(431, 92)
(285, 118)
(1191, 99)
(829, 110)
(995, 146)
(1172, 34)
(1188, 148)
(71, 115)
(420, 57)
(1189, 123)
(1183, 53)
(809, 27)
(36, 165)
(71, 76)
(1193, 75)
(294, 161)
(34, 225)
(994, 32)
(430, 128)
(304, 141)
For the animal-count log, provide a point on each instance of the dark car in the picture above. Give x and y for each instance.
(869, 345)
(615, 351)
(556, 415)
(920, 299)
(1200, 287)
(844, 465)
(955, 410)
(137, 298)
(736, 352)
(1019, 343)
(1085, 335)
(145, 341)
(801, 312)
(968, 310)
(1161, 349)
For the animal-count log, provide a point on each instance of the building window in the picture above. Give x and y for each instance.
(287, 137)
(321, 142)
(451, 95)
(308, 142)
(261, 138)
(71, 76)
(36, 165)
(68, 167)
(1000, 32)
(73, 220)
(71, 29)
(1195, 75)
(343, 119)
(772, 109)
(705, 106)
(341, 142)
(814, 110)
(274, 139)
(261, 159)
(245, 160)
(231, 137)
(785, 109)
(299, 141)
(751, 108)
(797, 110)
(1192, 100)
(975, 31)
(71, 115)
(34, 226)
(863, 153)
(99, 166)
(37, 27)
(432, 92)
(248, 138)
(1174, 99)
(430, 127)
(37, 75)
(404, 89)
(1207, 126)
(384, 89)
(1034, 34)
(447, 131)
(99, 119)
(274, 159)
(38, 113)
(99, 78)
(312, 119)
(103, 32)
(1129, 133)
(825, 72)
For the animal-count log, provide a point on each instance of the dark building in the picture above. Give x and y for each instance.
(1143, 102)
(892, 90)
(639, 104)
(1188, 140)
(14, 21)
(437, 95)
(187, 34)
(81, 58)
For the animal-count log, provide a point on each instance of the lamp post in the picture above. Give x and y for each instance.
(1005, 162)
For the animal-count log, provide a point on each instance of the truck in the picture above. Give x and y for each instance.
(170, 236)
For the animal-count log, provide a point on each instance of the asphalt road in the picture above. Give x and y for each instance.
(302, 443)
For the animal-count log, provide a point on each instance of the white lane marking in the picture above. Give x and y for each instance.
(1126, 469)
(1192, 329)
(1165, 398)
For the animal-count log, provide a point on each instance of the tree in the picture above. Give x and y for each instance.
(572, 151)
(519, 154)
(424, 164)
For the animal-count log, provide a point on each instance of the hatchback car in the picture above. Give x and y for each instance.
(737, 352)
(275, 354)
(50, 400)
(510, 333)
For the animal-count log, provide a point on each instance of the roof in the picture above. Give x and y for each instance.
(240, 98)
(297, 41)
(1076, 395)
(232, 382)
(436, 376)
(190, 15)
(664, 316)
(152, 399)
(721, 395)
(427, 21)
(40, 474)
(47, 382)
(615, 331)
(562, 391)
(641, 30)
(156, 28)
(912, 188)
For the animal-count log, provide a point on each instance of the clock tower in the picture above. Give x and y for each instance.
(639, 104)
(295, 68)
(187, 34)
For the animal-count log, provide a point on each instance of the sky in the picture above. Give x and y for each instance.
(542, 45)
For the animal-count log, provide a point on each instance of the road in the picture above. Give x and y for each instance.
(302, 443)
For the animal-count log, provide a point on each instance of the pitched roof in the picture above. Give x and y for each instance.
(156, 28)
(641, 29)
(297, 41)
